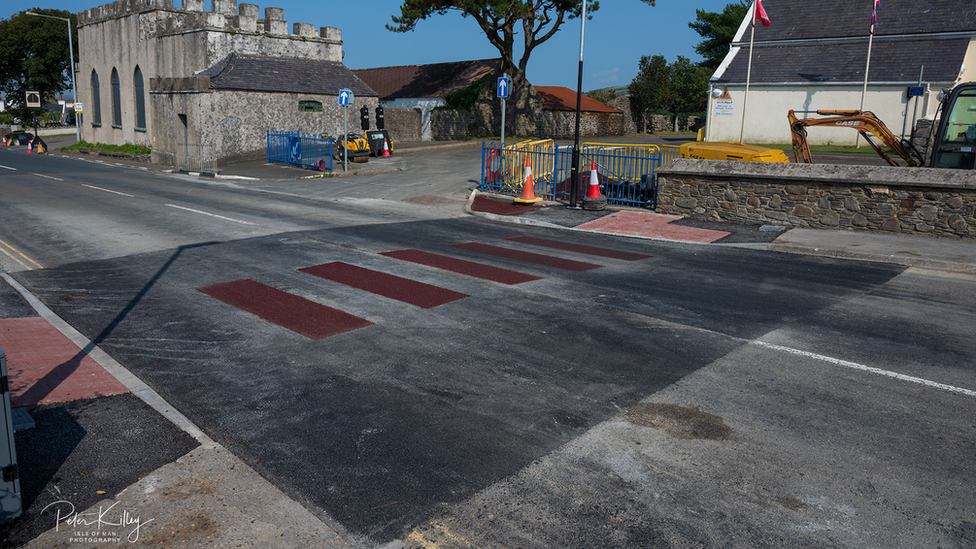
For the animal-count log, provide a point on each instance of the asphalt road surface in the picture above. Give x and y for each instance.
(668, 395)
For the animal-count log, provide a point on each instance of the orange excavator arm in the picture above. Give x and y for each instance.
(866, 123)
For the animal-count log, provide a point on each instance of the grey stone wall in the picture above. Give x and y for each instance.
(904, 200)
(562, 124)
(922, 137)
(656, 123)
(241, 132)
(402, 123)
(449, 124)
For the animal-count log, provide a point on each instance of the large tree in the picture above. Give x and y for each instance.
(718, 30)
(689, 87)
(539, 20)
(650, 91)
(34, 54)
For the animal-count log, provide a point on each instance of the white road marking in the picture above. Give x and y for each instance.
(106, 190)
(210, 214)
(48, 176)
(9, 168)
(863, 368)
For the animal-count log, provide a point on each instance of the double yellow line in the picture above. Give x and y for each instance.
(17, 255)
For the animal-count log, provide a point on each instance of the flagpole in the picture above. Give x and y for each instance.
(867, 67)
(745, 100)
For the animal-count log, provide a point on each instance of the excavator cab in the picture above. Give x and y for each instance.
(955, 145)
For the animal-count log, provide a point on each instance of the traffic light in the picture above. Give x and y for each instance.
(364, 113)
(379, 118)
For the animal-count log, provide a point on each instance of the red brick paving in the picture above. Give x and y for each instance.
(497, 207)
(651, 225)
(45, 367)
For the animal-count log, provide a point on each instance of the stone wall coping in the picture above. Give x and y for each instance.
(827, 173)
(221, 19)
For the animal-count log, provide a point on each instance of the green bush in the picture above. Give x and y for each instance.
(464, 99)
(128, 148)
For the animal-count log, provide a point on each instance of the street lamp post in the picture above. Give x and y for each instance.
(71, 64)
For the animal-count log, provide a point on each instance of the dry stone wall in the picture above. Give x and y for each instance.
(403, 124)
(901, 200)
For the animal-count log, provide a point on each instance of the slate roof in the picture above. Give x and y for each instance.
(419, 81)
(277, 74)
(826, 41)
(558, 98)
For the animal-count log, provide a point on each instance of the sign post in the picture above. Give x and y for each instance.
(345, 99)
(504, 85)
(34, 102)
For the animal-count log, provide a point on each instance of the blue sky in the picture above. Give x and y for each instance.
(616, 38)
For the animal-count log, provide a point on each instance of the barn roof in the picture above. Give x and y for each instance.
(558, 98)
(430, 81)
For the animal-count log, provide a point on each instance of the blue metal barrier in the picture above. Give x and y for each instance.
(627, 174)
(300, 150)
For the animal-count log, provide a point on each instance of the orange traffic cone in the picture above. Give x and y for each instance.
(528, 187)
(594, 201)
(386, 148)
(594, 189)
(4, 141)
(30, 146)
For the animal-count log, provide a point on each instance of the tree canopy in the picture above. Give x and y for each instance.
(539, 21)
(34, 54)
(680, 87)
(718, 30)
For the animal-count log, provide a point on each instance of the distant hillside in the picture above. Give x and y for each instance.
(606, 94)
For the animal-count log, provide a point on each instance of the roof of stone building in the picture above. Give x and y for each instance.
(827, 41)
(277, 74)
(558, 98)
(419, 81)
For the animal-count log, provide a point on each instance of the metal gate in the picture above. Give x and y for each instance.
(627, 174)
(300, 150)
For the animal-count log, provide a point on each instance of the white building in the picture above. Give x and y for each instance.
(814, 55)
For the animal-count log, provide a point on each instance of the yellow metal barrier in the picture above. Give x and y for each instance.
(669, 153)
(620, 160)
(540, 155)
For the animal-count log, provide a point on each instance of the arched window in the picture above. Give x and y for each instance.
(96, 101)
(116, 100)
(140, 101)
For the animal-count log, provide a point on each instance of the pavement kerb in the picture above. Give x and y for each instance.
(536, 223)
(781, 247)
(135, 385)
(918, 263)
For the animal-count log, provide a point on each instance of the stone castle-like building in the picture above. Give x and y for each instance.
(182, 79)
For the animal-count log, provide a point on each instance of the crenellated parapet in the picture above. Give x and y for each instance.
(158, 18)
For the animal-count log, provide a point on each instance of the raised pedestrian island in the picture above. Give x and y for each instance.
(919, 201)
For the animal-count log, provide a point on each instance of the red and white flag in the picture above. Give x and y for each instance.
(874, 14)
(761, 15)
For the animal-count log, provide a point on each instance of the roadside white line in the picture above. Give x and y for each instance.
(9, 168)
(135, 385)
(211, 214)
(106, 190)
(47, 176)
(863, 368)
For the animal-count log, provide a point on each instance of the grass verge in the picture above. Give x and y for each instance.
(128, 148)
